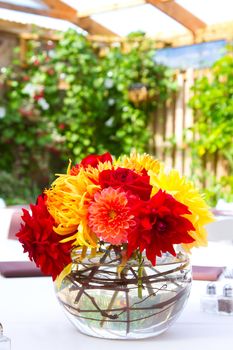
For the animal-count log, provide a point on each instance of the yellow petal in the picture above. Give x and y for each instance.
(66, 271)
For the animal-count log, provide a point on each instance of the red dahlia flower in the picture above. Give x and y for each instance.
(127, 180)
(160, 225)
(93, 160)
(41, 242)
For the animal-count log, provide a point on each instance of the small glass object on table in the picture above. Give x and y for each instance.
(225, 302)
(5, 343)
(209, 301)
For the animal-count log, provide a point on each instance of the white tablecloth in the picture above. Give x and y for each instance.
(34, 320)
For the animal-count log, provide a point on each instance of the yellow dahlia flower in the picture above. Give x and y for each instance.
(138, 162)
(67, 202)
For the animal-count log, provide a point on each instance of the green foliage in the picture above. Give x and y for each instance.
(213, 108)
(17, 191)
(68, 101)
(97, 112)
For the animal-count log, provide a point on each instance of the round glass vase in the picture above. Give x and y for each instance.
(141, 301)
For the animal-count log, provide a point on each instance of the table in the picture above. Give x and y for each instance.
(33, 319)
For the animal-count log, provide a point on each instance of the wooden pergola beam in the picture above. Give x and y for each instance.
(12, 27)
(25, 9)
(220, 31)
(110, 7)
(61, 7)
(58, 9)
(50, 12)
(93, 27)
(179, 14)
(71, 15)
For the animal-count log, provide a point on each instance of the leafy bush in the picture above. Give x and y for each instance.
(16, 191)
(213, 108)
(68, 100)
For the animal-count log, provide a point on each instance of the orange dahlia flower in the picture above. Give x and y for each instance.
(110, 216)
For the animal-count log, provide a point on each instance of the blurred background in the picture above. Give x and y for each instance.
(80, 77)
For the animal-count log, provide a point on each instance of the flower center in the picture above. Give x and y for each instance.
(112, 214)
(161, 226)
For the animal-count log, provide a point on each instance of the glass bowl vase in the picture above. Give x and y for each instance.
(139, 301)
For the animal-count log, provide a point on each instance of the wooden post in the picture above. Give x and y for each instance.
(23, 50)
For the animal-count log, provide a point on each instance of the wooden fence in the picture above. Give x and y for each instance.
(168, 142)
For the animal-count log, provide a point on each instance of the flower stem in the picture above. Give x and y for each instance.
(110, 305)
(140, 274)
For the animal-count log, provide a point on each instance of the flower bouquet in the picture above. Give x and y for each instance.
(113, 234)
